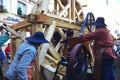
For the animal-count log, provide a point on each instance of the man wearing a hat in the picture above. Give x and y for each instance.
(24, 56)
(102, 49)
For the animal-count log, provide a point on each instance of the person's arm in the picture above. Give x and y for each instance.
(23, 64)
(4, 38)
(91, 36)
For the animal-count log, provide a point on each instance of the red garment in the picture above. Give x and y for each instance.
(7, 49)
(102, 39)
(29, 70)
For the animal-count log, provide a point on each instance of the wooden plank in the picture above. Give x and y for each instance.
(60, 31)
(13, 32)
(64, 10)
(48, 67)
(50, 31)
(15, 43)
(31, 18)
(13, 48)
(59, 18)
(62, 34)
(54, 53)
(51, 58)
(48, 37)
(45, 19)
(69, 10)
(59, 22)
(21, 25)
(55, 6)
(63, 24)
(73, 9)
(41, 18)
(43, 52)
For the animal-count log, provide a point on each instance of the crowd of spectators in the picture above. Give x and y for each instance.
(5, 54)
(117, 47)
(117, 50)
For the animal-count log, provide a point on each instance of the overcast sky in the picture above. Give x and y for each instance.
(109, 10)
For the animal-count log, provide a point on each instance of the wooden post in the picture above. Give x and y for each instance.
(55, 7)
(73, 9)
(69, 10)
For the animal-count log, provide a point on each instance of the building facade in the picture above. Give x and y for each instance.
(13, 11)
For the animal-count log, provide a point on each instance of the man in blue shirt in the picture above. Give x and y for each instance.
(24, 56)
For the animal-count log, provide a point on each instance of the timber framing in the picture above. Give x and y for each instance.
(47, 20)
(65, 16)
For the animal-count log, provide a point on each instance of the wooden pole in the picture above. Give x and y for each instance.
(73, 9)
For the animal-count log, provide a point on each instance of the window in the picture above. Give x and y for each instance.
(1, 2)
(2, 7)
(33, 1)
(21, 9)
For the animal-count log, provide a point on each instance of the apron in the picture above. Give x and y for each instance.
(30, 69)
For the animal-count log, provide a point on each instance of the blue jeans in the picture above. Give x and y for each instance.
(107, 67)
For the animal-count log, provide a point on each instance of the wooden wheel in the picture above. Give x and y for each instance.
(79, 56)
(78, 61)
(90, 19)
(87, 23)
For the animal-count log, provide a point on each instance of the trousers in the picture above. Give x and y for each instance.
(107, 67)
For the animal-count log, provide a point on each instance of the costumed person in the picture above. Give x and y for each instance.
(102, 49)
(4, 38)
(7, 52)
(24, 57)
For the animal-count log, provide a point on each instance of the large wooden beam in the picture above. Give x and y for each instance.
(21, 25)
(44, 19)
(59, 22)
